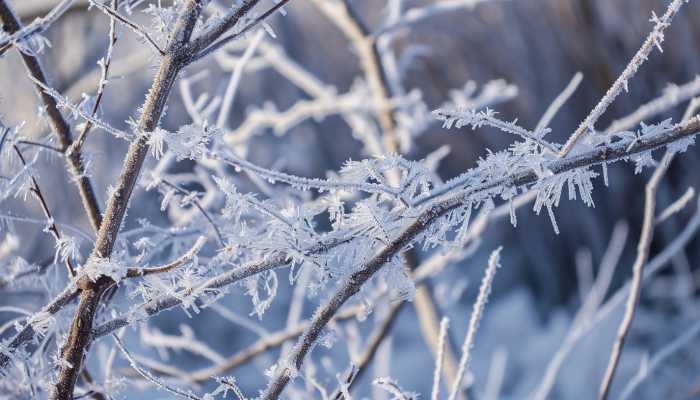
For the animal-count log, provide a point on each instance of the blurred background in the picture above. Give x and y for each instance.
(534, 45)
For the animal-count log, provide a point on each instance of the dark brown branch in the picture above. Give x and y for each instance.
(72, 353)
(36, 190)
(58, 123)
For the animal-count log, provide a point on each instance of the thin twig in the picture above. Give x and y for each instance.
(655, 38)
(106, 62)
(475, 319)
(637, 271)
(148, 376)
(139, 30)
(42, 145)
(51, 225)
(435, 393)
(58, 123)
(675, 207)
(199, 207)
(182, 260)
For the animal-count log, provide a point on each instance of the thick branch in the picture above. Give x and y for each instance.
(73, 351)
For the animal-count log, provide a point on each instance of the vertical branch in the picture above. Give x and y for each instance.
(477, 314)
(58, 123)
(77, 145)
(365, 45)
(73, 351)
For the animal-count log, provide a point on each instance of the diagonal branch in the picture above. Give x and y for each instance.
(58, 123)
(350, 286)
(47, 212)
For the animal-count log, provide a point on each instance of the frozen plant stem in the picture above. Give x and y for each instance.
(655, 38)
(58, 123)
(475, 319)
(179, 52)
(354, 282)
(72, 353)
(637, 273)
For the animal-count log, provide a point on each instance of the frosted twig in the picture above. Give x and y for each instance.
(136, 28)
(672, 96)
(675, 207)
(435, 393)
(148, 376)
(104, 63)
(476, 119)
(76, 109)
(182, 260)
(477, 313)
(418, 14)
(559, 102)
(301, 182)
(655, 38)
